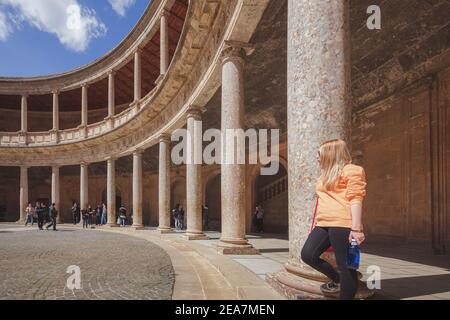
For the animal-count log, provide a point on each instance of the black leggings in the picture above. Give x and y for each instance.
(317, 243)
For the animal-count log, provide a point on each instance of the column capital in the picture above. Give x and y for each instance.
(56, 166)
(137, 50)
(111, 158)
(85, 85)
(165, 137)
(25, 95)
(195, 112)
(236, 50)
(25, 167)
(84, 164)
(138, 152)
(164, 13)
(111, 72)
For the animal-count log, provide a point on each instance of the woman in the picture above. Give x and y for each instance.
(29, 215)
(340, 189)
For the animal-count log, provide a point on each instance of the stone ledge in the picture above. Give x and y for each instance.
(191, 237)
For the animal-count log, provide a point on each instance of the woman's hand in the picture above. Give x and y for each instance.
(358, 236)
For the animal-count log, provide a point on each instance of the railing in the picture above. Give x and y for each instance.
(273, 189)
(8, 139)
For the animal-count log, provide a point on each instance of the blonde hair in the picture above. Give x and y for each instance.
(334, 155)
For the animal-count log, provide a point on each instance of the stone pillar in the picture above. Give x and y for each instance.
(84, 105)
(137, 190)
(55, 110)
(111, 192)
(164, 184)
(319, 109)
(23, 193)
(164, 43)
(55, 129)
(56, 198)
(194, 186)
(111, 99)
(84, 186)
(24, 114)
(233, 240)
(137, 75)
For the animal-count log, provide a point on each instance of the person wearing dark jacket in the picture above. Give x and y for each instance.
(40, 212)
(53, 215)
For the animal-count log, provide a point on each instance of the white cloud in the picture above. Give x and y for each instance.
(121, 6)
(5, 29)
(74, 25)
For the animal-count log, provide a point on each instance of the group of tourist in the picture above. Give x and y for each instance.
(178, 216)
(42, 214)
(90, 216)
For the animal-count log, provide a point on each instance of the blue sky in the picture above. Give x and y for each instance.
(41, 37)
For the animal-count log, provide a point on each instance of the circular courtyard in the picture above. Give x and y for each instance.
(34, 265)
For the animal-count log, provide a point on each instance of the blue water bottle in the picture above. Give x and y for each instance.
(353, 255)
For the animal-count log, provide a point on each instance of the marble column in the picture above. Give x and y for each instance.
(194, 186)
(24, 114)
(233, 240)
(111, 98)
(137, 190)
(23, 193)
(84, 105)
(55, 129)
(84, 186)
(55, 110)
(164, 184)
(111, 192)
(56, 197)
(137, 75)
(164, 43)
(319, 109)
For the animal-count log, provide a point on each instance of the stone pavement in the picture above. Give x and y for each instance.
(193, 268)
(33, 265)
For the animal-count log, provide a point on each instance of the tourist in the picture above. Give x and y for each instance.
(181, 217)
(75, 213)
(123, 216)
(104, 215)
(175, 216)
(98, 215)
(205, 217)
(259, 218)
(53, 215)
(340, 189)
(29, 214)
(40, 212)
(90, 213)
(85, 217)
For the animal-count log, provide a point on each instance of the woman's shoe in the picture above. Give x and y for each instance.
(330, 289)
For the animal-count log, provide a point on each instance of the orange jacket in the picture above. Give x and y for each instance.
(334, 207)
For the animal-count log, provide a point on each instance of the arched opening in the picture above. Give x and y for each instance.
(213, 200)
(178, 196)
(272, 195)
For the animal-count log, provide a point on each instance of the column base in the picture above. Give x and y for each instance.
(111, 225)
(164, 230)
(138, 227)
(301, 282)
(195, 236)
(236, 249)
